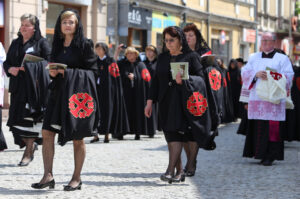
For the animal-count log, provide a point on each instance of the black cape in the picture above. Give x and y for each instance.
(37, 46)
(152, 122)
(135, 94)
(183, 107)
(72, 109)
(111, 100)
(292, 124)
(227, 104)
(236, 86)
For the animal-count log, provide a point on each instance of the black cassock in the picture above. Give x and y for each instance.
(227, 105)
(152, 122)
(111, 99)
(72, 109)
(19, 85)
(135, 94)
(292, 123)
(183, 107)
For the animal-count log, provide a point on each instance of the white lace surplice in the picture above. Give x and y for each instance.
(257, 108)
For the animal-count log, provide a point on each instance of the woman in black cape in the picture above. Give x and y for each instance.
(214, 88)
(29, 41)
(150, 62)
(183, 104)
(110, 94)
(72, 107)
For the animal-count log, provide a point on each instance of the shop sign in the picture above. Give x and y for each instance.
(249, 35)
(139, 18)
(160, 22)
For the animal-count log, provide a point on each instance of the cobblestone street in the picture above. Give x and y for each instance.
(131, 169)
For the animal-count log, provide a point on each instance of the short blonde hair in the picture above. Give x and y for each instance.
(31, 18)
(131, 49)
(67, 14)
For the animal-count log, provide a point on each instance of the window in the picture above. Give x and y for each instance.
(202, 3)
(221, 50)
(136, 38)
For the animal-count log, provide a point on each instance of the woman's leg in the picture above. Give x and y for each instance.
(79, 156)
(175, 149)
(191, 163)
(186, 148)
(29, 150)
(48, 155)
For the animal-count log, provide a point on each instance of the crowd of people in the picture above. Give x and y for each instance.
(98, 94)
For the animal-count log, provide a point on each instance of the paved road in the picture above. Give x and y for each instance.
(131, 169)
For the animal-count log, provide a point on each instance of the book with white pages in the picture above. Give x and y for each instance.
(182, 67)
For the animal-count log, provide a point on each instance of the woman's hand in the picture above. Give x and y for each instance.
(148, 108)
(178, 78)
(14, 70)
(131, 76)
(117, 52)
(54, 72)
(22, 68)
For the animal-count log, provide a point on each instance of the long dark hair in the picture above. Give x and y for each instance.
(201, 45)
(175, 31)
(58, 39)
(233, 61)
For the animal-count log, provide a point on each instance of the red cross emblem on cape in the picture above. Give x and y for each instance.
(275, 75)
(224, 82)
(114, 70)
(298, 83)
(215, 79)
(146, 75)
(197, 104)
(81, 105)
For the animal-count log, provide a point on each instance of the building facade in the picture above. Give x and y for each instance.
(227, 25)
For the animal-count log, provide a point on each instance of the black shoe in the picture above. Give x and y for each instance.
(50, 184)
(70, 188)
(94, 140)
(120, 137)
(179, 178)
(190, 173)
(106, 141)
(167, 177)
(151, 136)
(267, 162)
(24, 164)
(137, 137)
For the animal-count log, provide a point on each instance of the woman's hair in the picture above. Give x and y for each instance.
(175, 31)
(58, 38)
(35, 22)
(201, 44)
(131, 49)
(103, 46)
(152, 48)
(234, 62)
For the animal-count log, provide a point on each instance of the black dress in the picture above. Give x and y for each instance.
(18, 110)
(135, 94)
(72, 110)
(236, 86)
(111, 99)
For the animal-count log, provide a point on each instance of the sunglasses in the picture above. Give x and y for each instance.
(169, 40)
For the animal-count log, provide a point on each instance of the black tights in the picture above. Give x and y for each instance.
(191, 150)
(175, 149)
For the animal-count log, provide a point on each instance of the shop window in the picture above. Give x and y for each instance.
(54, 10)
(136, 38)
(221, 50)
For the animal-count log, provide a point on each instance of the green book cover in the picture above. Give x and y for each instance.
(182, 67)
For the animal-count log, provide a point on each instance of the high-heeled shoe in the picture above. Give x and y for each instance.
(166, 177)
(70, 188)
(179, 178)
(50, 184)
(190, 173)
(94, 140)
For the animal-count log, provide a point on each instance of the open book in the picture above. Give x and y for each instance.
(55, 66)
(182, 67)
(31, 58)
